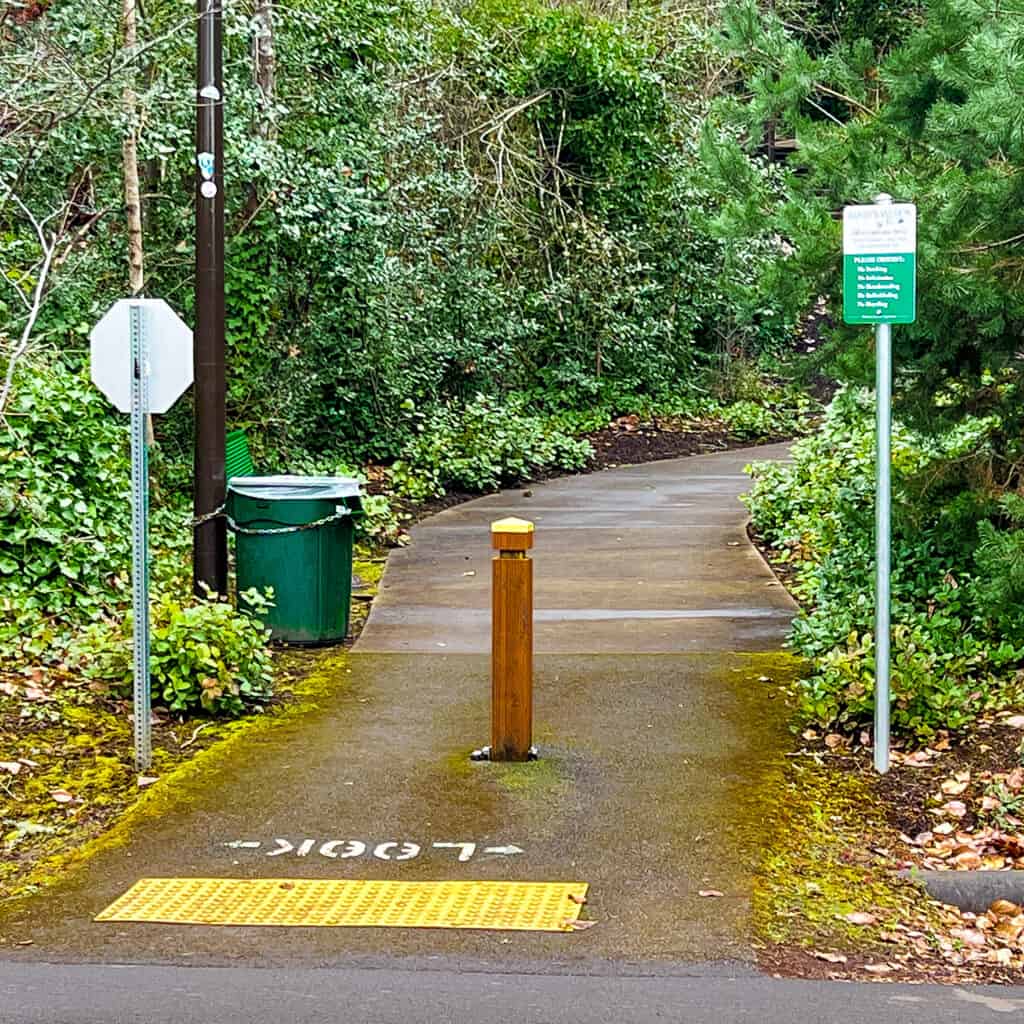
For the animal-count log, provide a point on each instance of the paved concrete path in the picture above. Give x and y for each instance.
(649, 559)
(661, 746)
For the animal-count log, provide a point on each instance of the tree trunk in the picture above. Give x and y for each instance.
(264, 65)
(129, 150)
(130, 160)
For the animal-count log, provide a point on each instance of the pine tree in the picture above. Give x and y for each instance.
(938, 122)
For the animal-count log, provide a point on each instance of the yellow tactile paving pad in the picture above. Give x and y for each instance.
(298, 902)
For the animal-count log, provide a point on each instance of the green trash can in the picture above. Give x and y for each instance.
(294, 533)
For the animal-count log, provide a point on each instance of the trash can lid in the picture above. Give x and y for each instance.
(294, 488)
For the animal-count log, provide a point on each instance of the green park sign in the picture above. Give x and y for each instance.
(880, 264)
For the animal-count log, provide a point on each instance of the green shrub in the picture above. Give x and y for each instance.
(750, 419)
(64, 510)
(204, 655)
(777, 412)
(999, 589)
(953, 654)
(480, 447)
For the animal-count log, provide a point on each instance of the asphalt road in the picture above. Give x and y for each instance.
(52, 994)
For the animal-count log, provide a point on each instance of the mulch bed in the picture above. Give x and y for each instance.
(630, 441)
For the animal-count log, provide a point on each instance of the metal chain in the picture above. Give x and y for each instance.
(342, 513)
(206, 517)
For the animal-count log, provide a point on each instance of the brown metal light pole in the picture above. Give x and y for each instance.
(210, 546)
(512, 642)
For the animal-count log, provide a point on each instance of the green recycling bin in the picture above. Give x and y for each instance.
(294, 534)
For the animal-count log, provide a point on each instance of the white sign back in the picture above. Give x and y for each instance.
(169, 344)
(880, 228)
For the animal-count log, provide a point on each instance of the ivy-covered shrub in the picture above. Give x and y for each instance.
(65, 535)
(204, 655)
(480, 447)
(441, 201)
(952, 655)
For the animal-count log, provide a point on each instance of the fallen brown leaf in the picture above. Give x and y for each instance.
(969, 937)
(829, 958)
(861, 917)
(1004, 907)
(969, 860)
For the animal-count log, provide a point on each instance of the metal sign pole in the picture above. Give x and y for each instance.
(140, 533)
(883, 539)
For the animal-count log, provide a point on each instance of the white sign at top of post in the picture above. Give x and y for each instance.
(880, 228)
(169, 348)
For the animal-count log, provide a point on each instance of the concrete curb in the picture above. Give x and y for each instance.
(974, 891)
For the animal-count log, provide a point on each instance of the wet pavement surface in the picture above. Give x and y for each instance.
(650, 558)
(442, 992)
(658, 633)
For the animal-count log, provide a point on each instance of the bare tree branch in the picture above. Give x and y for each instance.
(48, 244)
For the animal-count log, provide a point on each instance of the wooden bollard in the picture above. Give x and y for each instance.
(512, 641)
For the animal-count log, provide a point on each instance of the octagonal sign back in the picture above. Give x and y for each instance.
(169, 344)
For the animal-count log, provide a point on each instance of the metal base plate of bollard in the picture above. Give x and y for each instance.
(484, 754)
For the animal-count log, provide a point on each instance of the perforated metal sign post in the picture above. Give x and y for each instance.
(141, 359)
(140, 536)
(880, 288)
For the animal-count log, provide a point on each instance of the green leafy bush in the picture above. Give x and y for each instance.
(480, 447)
(64, 512)
(204, 655)
(998, 590)
(952, 655)
(753, 420)
(923, 114)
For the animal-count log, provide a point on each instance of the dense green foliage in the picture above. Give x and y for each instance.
(930, 121)
(64, 533)
(958, 623)
(442, 202)
(204, 655)
(454, 232)
(480, 447)
(917, 101)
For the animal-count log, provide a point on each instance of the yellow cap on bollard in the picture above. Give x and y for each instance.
(512, 534)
